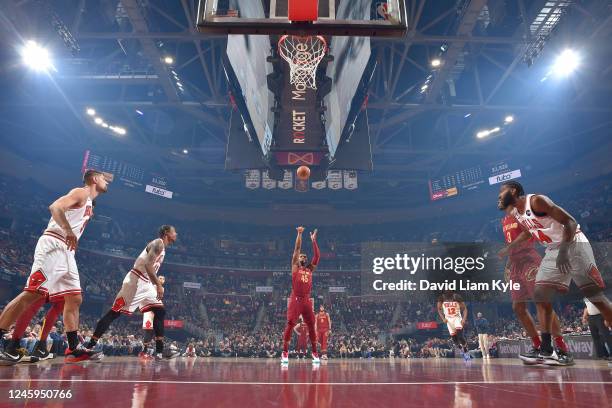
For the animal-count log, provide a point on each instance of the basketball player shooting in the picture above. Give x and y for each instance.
(54, 275)
(299, 301)
(568, 256)
(451, 308)
(142, 291)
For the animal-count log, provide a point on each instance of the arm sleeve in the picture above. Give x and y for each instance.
(316, 255)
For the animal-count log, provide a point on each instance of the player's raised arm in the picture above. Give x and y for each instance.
(298, 246)
(76, 197)
(316, 255)
(154, 249)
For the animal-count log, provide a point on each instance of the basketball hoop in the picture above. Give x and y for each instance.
(303, 55)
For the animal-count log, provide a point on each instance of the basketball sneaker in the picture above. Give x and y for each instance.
(324, 357)
(565, 358)
(531, 357)
(40, 353)
(80, 354)
(173, 354)
(9, 357)
(285, 358)
(549, 357)
(315, 358)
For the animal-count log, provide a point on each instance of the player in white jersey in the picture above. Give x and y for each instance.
(568, 257)
(450, 309)
(142, 290)
(54, 273)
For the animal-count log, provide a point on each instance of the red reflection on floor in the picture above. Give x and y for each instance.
(186, 382)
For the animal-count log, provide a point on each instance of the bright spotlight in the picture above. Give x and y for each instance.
(36, 57)
(91, 111)
(104, 125)
(169, 60)
(119, 130)
(566, 63)
(436, 62)
(483, 133)
(509, 119)
(185, 151)
(98, 121)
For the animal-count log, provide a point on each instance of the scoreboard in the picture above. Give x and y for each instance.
(471, 178)
(127, 174)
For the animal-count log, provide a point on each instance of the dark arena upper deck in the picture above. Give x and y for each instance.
(305, 203)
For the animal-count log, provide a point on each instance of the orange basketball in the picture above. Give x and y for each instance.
(303, 172)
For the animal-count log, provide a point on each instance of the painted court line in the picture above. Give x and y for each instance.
(5, 380)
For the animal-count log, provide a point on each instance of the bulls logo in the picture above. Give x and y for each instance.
(148, 325)
(119, 304)
(36, 279)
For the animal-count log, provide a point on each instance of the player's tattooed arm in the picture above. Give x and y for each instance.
(75, 198)
(298, 246)
(543, 204)
(440, 312)
(154, 249)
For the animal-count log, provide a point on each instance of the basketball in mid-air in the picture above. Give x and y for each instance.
(303, 172)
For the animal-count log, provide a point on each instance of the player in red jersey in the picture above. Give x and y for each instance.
(301, 287)
(301, 329)
(323, 328)
(522, 267)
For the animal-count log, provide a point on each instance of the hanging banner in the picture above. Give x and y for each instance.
(287, 182)
(334, 179)
(319, 185)
(252, 179)
(350, 179)
(267, 182)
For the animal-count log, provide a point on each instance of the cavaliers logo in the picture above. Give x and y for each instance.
(306, 158)
(36, 279)
(530, 276)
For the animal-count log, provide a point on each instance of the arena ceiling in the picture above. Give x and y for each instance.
(110, 55)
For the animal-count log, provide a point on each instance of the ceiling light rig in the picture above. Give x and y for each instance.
(98, 120)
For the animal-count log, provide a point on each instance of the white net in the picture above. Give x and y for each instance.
(303, 55)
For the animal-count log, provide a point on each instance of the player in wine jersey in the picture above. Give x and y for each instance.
(301, 329)
(147, 327)
(323, 329)
(568, 256)
(142, 289)
(54, 275)
(522, 266)
(453, 312)
(299, 302)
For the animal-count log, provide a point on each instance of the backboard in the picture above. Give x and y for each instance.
(371, 18)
